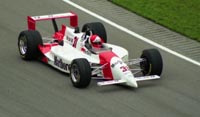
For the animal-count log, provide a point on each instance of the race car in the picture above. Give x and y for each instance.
(85, 54)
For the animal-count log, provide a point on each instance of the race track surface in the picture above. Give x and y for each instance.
(33, 89)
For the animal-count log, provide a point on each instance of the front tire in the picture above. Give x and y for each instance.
(80, 73)
(152, 64)
(28, 42)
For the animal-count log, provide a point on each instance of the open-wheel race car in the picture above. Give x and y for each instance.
(85, 54)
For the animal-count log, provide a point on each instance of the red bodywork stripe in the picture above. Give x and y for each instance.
(46, 47)
(105, 57)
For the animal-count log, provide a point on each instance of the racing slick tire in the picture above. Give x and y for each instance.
(28, 42)
(96, 28)
(152, 64)
(80, 73)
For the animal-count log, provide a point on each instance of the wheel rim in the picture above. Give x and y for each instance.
(144, 65)
(75, 73)
(23, 45)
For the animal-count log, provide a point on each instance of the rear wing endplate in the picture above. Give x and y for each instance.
(32, 19)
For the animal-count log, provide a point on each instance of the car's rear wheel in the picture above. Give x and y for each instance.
(80, 73)
(152, 64)
(28, 42)
(95, 28)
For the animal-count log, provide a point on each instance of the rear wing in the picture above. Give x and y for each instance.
(32, 19)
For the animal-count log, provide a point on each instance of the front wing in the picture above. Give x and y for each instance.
(142, 78)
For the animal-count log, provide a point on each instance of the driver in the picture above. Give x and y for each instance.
(95, 41)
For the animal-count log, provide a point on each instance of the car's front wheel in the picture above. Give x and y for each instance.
(80, 73)
(152, 64)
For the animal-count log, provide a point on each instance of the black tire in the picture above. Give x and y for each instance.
(152, 64)
(96, 28)
(28, 42)
(80, 73)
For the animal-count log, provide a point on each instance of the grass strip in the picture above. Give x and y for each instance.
(182, 16)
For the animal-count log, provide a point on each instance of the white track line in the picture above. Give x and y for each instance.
(131, 32)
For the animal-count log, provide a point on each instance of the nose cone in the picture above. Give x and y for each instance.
(131, 81)
(120, 70)
(133, 84)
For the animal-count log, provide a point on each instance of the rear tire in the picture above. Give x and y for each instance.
(80, 73)
(152, 64)
(28, 42)
(96, 28)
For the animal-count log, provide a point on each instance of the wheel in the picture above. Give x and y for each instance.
(28, 42)
(152, 64)
(80, 73)
(96, 28)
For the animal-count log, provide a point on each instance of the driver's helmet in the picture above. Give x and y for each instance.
(95, 41)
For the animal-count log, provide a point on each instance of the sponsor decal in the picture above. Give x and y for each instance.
(87, 52)
(117, 62)
(124, 68)
(59, 62)
(36, 17)
(50, 16)
(69, 39)
(83, 49)
(73, 41)
(84, 37)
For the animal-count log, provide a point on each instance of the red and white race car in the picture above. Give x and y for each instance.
(85, 54)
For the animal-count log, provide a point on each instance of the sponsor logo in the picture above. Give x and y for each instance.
(36, 17)
(117, 62)
(69, 39)
(72, 41)
(50, 16)
(59, 62)
(88, 52)
(84, 37)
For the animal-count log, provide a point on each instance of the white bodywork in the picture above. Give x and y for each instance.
(61, 57)
(73, 47)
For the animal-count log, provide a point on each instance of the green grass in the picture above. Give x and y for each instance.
(182, 16)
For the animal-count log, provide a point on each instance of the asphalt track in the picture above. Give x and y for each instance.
(33, 89)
